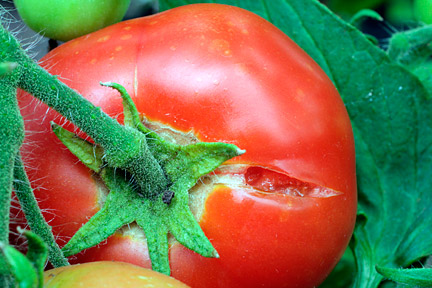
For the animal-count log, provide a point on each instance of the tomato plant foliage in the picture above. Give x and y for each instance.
(390, 110)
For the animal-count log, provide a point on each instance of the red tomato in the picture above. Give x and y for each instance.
(280, 215)
(107, 274)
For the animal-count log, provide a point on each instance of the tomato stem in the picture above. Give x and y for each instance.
(124, 148)
(11, 128)
(12, 133)
(34, 217)
(12, 136)
(13, 62)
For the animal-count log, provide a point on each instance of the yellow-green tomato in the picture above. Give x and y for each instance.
(67, 19)
(108, 274)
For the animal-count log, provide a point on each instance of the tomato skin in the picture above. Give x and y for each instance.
(107, 274)
(422, 10)
(229, 76)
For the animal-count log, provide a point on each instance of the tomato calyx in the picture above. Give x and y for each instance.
(156, 213)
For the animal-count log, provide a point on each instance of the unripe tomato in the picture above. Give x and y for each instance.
(108, 275)
(423, 10)
(65, 20)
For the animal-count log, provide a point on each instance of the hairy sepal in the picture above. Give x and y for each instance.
(182, 165)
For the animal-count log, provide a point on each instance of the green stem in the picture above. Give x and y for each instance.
(367, 276)
(12, 135)
(411, 47)
(124, 147)
(7, 67)
(34, 216)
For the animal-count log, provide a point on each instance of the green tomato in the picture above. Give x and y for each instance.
(399, 12)
(423, 10)
(65, 20)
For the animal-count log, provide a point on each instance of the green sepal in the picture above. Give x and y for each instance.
(156, 232)
(195, 160)
(359, 17)
(183, 166)
(156, 218)
(132, 117)
(27, 269)
(414, 277)
(163, 150)
(130, 112)
(184, 227)
(89, 154)
(117, 211)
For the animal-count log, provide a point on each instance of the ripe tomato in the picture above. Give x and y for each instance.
(280, 215)
(107, 274)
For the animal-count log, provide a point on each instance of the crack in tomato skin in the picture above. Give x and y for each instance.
(268, 181)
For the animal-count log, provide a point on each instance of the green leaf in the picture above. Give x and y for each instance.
(27, 269)
(20, 266)
(424, 72)
(392, 123)
(419, 277)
